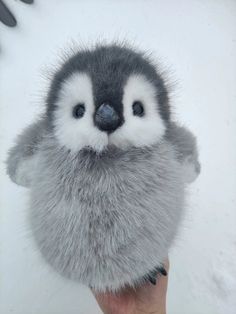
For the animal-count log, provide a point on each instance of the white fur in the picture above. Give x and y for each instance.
(76, 134)
(73, 133)
(139, 131)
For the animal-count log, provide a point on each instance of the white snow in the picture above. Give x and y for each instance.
(196, 40)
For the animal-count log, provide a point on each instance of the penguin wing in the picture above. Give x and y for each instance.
(22, 157)
(185, 145)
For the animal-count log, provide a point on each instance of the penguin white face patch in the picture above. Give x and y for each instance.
(73, 117)
(143, 125)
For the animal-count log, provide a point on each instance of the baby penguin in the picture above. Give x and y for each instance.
(107, 169)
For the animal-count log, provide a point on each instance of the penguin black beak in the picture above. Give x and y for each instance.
(106, 118)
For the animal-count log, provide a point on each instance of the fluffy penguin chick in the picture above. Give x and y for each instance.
(106, 168)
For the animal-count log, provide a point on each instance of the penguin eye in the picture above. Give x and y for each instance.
(78, 111)
(138, 109)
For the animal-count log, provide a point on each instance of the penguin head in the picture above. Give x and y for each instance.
(108, 96)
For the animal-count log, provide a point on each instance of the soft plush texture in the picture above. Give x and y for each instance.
(107, 218)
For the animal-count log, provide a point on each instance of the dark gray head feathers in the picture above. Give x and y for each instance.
(109, 68)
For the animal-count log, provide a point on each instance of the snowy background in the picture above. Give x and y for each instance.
(196, 41)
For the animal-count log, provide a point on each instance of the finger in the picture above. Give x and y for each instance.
(122, 302)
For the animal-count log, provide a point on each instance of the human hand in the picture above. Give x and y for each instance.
(147, 299)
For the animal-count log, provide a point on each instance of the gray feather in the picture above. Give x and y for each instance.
(106, 220)
(185, 145)
(22, 156)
